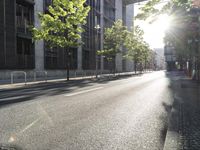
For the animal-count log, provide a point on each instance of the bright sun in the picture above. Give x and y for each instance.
(162, 23)
(154, 33)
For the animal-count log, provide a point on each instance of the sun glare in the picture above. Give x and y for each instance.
(155, 32)
(162, 24)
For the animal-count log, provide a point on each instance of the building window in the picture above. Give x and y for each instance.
(51, 55)
(24, 46)
(24, 18)
(25, 53)
(86, 59)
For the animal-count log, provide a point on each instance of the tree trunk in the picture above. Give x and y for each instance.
(68, 63)
(145, 65)
(135, 63)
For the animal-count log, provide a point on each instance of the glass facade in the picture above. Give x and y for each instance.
(24, 44)
(91, 36)
(109, 13)
(24, 17)
(17, 48)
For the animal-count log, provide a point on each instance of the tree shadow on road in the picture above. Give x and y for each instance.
(28, 93)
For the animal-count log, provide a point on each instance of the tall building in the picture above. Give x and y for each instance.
(19, 52)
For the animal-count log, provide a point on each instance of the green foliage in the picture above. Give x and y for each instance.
(62, 26)
(148, 9)
(114, 38)
(118, 36)
(137, 49)
(170, 7)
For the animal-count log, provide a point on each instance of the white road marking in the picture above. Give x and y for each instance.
(12, 98)
(81, 92)
(30, 125)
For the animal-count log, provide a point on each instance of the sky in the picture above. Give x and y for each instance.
(153, 33)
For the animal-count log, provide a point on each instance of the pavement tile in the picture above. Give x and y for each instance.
(185, 117)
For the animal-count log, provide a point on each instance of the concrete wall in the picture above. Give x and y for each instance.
(118, 15)
(39, 45)
(79, 57)
(102, 32)
(129, 14)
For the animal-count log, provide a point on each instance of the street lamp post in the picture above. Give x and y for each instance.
(97, 28)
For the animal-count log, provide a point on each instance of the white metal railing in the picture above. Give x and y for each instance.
(44, 72)
(18, 72)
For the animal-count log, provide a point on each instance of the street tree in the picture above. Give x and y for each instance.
(62, 25)
(137, 48)
(114, 39)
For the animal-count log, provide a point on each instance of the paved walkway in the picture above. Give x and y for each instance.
(184, 124)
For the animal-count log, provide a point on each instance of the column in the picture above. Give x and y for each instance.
(39, 45)
(102, 33)
(118, 15)
(79, 57)
(129, 15)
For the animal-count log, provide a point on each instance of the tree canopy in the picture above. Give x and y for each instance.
(118, 37)
(170, 7)
(137, 49)
(62, 25)
(114, 38)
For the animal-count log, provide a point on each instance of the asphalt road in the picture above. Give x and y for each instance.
(125, 114)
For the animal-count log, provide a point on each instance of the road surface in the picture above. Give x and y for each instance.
(126, 114)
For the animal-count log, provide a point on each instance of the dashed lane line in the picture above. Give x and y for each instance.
(81, 92)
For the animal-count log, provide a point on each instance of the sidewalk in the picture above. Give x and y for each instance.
(184, 123)
(21, 84)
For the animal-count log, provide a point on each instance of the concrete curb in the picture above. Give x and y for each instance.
(172, 136)
(54, 81)
(172, 140)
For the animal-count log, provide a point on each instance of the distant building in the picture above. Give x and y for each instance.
(170, 57)
(160, 59)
